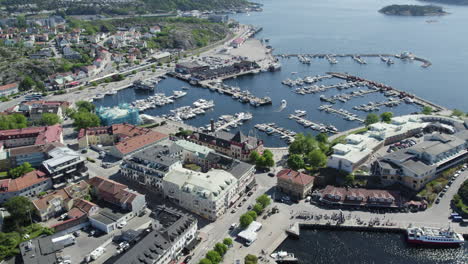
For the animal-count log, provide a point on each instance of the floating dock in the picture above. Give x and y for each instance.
(315, 126)
(272, 128)
(388, 89)
(345, 114)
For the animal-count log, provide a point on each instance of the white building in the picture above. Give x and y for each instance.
(206, 194)
(357, 148)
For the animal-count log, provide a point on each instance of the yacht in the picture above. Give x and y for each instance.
(283, 103)
(283, 257)
(179, 94)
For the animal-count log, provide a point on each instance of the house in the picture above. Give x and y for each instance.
(33, 154)
(59, 201)
(70, 54)
(29, 185)
(31, 136)
(117, 194)
(8, 89)
(155, 29)
(190, 67)
(296, 184)
(358, 197)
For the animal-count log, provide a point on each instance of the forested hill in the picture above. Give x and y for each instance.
(449, 2)
(120, 7)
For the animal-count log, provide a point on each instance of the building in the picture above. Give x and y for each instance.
(122, 113)
(8, 89)
(236, 43)
(249, 235)
(125, 139)
(218, 18)
(40, 250)
(60, 201)
(33, 154)
(206, 194)
(356, 197)
(108, 220)
(151, 165)
(34, 109)
(236, 145)
(296, 184)
(190, 67)
(31, 136)
(359, 147)
(117, 194)
(65, 165)
(415, 166)
(172, 231)
(29, 185)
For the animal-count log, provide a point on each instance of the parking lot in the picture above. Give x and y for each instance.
(86, 243)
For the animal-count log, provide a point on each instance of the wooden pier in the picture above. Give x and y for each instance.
(271, 128)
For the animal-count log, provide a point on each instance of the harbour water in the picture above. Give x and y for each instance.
(341, 27)
(328, 247)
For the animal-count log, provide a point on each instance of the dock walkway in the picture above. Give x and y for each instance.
(315, 126)
(345, 114)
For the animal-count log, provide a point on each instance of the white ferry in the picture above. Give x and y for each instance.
(434, 236)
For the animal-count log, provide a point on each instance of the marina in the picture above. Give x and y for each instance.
(331, 58)
(371, 106)
(236, 93)
(298, 116)
(198, 107)
(226, 122)
(272, 128)
(346, 96)
(157, 100)
(341, 112)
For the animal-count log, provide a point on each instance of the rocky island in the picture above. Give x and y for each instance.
(413, 10)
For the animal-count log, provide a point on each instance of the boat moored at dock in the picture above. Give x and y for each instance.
(434, 236)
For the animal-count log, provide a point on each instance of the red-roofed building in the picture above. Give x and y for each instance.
(29, 185)
(358, 197)
(31, 136)
(124, 138)
(8, 89)
(117, 194)
(296, 184)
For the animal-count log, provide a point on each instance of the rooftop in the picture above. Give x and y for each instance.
(296, 177)
(210, 185)
(23, 182)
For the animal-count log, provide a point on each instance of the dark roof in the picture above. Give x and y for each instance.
(107, 216)
(40, 251)
(235, 167)
(172, 223)
(161, 154)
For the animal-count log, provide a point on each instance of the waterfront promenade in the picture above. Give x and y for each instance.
(273, 232)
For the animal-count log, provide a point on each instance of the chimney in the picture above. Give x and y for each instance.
(212, 125)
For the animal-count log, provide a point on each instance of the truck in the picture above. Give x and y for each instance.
(65, 240)
(97, 253)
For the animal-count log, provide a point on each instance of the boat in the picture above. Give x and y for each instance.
(283, 257)
(300, 112)
(143, 85)
(283, 103)
(185, 88)
(179, 94)
(434, 236)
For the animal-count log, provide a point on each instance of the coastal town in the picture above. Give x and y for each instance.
(100, 162)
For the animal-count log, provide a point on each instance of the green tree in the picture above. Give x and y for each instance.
(20, 209)
(264, 200)
(371, 119)
(322, 138)
(457, 112)
(40, 86)
(13, 121)
(85, 105)
(245, 220)
(250, 259)
(296, 162)
(427, 110)
(85, 120)
(221, 248)
(213, 256)
(303, 144)
(386, 117)
(227, 241)
(258, 208)
(252, 214)
(317, 159)
(20, 170)
(49, 119)
(269, 161)
(254, 156)
(205, 261)
(27, 84)
(70, 112)
(349, 179)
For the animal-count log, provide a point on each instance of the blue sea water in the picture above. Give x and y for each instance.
(339, 26)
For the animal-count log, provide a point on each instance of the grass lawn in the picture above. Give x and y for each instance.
(3, 174)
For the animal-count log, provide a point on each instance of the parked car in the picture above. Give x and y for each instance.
(233, 226)
(271, 174)
(437, 201)
(76, 233)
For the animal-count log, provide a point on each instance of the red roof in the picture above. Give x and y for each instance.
(84, 205)
(131, 144)
(23, 182)
(296, 177)
(47, 134)
(8, 86)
